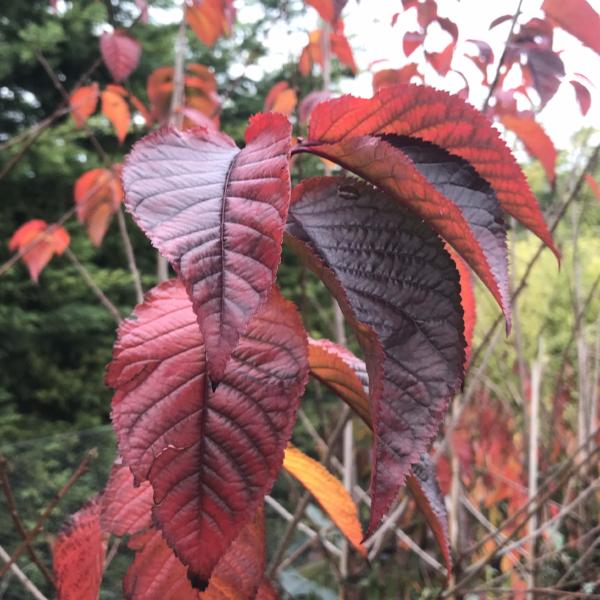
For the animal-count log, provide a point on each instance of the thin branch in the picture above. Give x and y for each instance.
(25, 581)
(14, 513)
(85, 275)
(133, 269)
(33, 533)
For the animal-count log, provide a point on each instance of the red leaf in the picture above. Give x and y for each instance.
(441, 119)
(593, 185)
(483, 59)
(499, 20)
(308, 104)
(535, 139)
(98, 196)
(139, 106)
(411, 41)
(578, 18)
(78, 555)
(83, 103)
(156, 573)
(379, 257)
(121, 53)
(210, 19)
(584, 98)
(395, 76)
(281, 99)
(467, 300)
(266, 591)
(344, 374)
(125, 509)
(341, 48)
(217, 213)
(38, 242)
(441, 61)
(239, 573)
(422, 483)
(115, 109)
(429, 190)
(329, 10)
(209, 455)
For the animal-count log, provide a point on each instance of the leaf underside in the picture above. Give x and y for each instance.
(399, 289)
(209, 455)
(217, 213)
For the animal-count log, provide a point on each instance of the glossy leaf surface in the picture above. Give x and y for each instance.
(217, 213)
(399, 289)
(209, 455)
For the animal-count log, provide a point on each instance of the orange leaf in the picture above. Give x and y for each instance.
(281, 98)
(83, 103)
(593, 185)
(98, 195)
(210, 19)
(328, 491)
(38, 242)
(115, 109)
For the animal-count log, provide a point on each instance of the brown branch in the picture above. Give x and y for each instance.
(33, 533)
(133, 269)
(16, 519)
(25, 581)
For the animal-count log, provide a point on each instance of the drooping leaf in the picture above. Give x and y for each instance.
(333, 364)
(98, 195)
(329, 10)
(210, 19)
(78, 555)
(217, 213)
(83, 103)
(156, 573)
(281, 99)
(441, 119)
(239, 573)
(115, 109)
(328, 491)
(209, 455)
(313, 51)
(422, 483)
(120, 53)
(411, 41)
(499, 20)
(536, 141)
(584, 98)
(441, 61)
(338, 369)
(444, 190)
(399, 290)
(125, 508)
(38, 242)
(578, 18)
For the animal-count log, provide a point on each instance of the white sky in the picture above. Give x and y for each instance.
(372, 38)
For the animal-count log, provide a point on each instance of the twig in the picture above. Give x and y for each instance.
(496, 79)
(303, 503)
(85, 275)
(14, 513)
(25, 581)
(33, 533)
(135, 274)
(546, 591)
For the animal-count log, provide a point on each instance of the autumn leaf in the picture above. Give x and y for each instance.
(329, 10)
(217, 213)
(211, 454)
(281, 99)
(399, 290)
(78, 555)
(593, 185)
(83, 103)
(329, 492)
(309, 102)
(210, 19)
(395, 76)
(536, 141)
(120, 53)
(115, 109)
(38, 242)
(125, 508)
(313, 51)
(98, 196)
(578, 18)
(584, 98)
